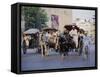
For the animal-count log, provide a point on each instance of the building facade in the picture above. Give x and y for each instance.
(58, 18)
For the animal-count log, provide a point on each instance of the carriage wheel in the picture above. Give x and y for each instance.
(42, 50)
(80, 51)
(25, 50)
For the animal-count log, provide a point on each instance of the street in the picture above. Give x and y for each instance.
(34, 61)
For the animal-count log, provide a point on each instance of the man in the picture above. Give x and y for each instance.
(86, 42)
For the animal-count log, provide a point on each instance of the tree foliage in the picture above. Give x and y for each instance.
(34, 17)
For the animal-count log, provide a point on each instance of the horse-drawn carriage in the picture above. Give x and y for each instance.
(69, 40)
(48, 40)
(71, 35)
(76, 38)
(30, 39)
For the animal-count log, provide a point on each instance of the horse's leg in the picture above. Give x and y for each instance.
(84, 55)
(42, 50)
(46, 50)
(57, 45)
(80, 48)
(24, 50)
(76, 43)
(67, 50)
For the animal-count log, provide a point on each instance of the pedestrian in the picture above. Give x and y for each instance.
(86, 42)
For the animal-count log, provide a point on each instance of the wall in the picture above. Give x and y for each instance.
(64, 16)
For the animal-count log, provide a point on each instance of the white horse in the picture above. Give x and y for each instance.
(74, 34)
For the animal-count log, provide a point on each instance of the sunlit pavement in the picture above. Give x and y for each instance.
(33, 61)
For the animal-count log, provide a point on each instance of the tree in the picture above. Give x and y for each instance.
(34, 17)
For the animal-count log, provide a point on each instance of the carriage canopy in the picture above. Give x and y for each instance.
(50, 29)
(31, 31)
(70, 27)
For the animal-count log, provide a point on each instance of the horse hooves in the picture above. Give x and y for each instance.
(24, 52)
(64, 54)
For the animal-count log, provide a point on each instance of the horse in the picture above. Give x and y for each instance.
(48, 41)
(73, 33)
(42, 43)
(65, 43)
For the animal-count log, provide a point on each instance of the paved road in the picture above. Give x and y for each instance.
(33, 61)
